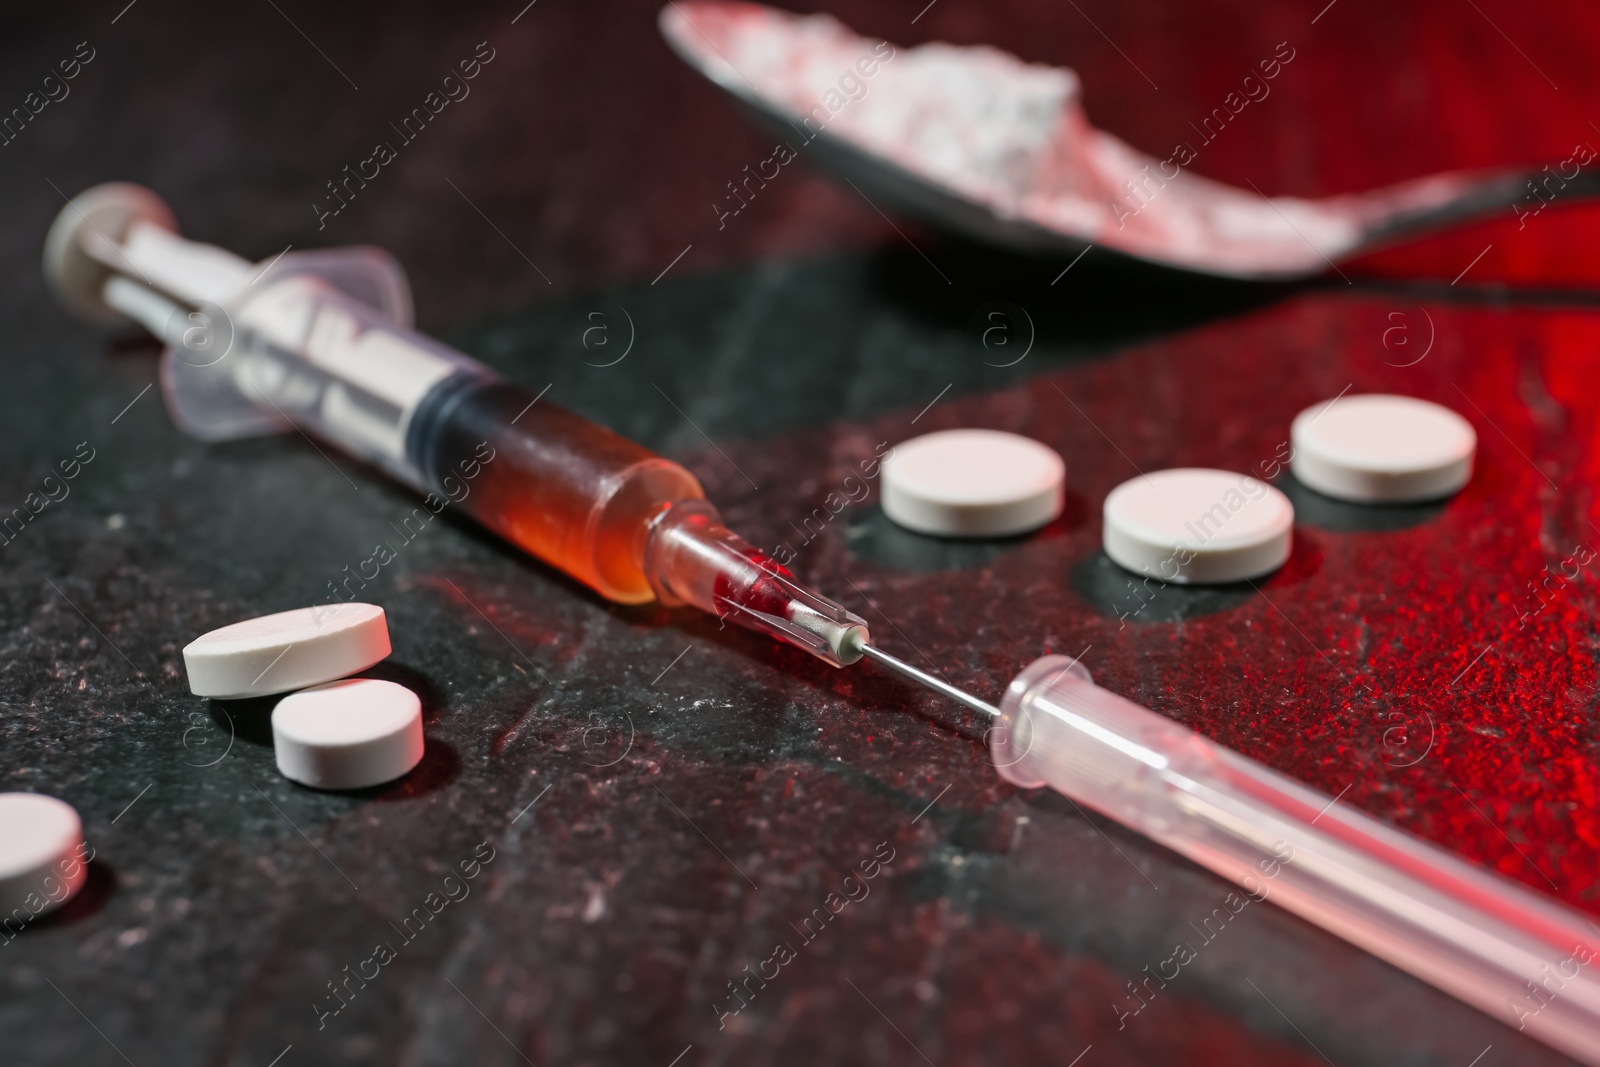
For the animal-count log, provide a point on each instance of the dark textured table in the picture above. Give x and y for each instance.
(652, 805)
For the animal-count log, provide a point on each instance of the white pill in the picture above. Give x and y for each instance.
(972, 483)
(289, 650)
(1380, 449)
(349, 734)
(42, 861)
(1198, 526)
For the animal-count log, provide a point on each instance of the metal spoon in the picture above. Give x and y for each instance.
(1185, 221)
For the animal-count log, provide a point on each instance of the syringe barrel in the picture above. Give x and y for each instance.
(296, 349)
(564, 489)
(321, 341)
(1511, 952)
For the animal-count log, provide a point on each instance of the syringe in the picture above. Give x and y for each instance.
(322, 341)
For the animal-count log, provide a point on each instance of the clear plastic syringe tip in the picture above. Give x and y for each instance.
(691, 557)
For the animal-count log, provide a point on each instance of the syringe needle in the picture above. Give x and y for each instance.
(938, 685)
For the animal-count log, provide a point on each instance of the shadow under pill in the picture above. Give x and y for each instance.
(876, 538)
(248, 720)
(440, 765)
(1311, 508)
(99, 884)
(1120, 594)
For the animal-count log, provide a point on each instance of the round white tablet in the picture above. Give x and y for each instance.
(1198, 526)
(42, 862)
(289, 650)
(349, 734)
(1381, 449)
(972, 483)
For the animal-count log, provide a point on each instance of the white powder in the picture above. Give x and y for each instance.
(974, 118)
(1010, 135)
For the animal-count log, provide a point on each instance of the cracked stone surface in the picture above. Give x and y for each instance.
(655, 809)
